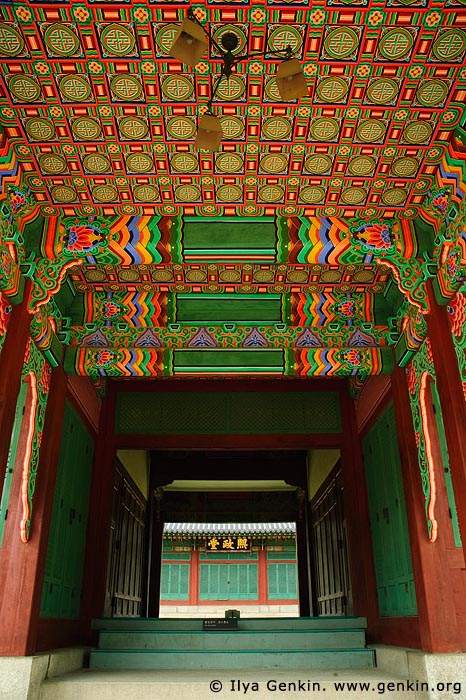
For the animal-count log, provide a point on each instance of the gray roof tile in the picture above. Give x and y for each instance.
(229, 529)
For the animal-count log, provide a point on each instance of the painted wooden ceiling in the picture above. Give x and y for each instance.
(301, 247)
(103, 116)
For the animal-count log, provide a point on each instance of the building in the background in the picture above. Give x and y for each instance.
(208, 568)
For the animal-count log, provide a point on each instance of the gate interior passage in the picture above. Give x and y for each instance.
(217, 529)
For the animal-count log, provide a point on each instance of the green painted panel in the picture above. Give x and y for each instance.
(282, 581)
(228, 307)
(184, 413)
(19, 412)
(176, 556)
(227, 360)
(174, 582)
(228, 582)
(32, 234)
(61, 591)
(389, 527)
(281, 555)
(446, 465)
(229, 234)
(65, 296)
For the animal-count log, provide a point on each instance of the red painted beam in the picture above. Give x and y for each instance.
(216, 442)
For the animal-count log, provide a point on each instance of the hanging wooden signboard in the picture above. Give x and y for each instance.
(232, 543)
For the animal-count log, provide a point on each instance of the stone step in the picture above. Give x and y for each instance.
(195, 685)
(231, 641)
(237, 660)
(246, 624)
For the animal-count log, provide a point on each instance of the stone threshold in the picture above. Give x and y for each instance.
(61, 675)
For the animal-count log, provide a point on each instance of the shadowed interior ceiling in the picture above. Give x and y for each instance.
(303, 247)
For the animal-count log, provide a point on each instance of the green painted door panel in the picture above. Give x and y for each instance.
(19, 412)
(389, 527)
(65, 554)
(175, 582)
(282, 582)
(228, 582)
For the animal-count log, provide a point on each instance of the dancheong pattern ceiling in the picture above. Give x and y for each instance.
(302, 247)
(109, 118)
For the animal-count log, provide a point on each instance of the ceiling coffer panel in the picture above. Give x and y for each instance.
(104, 118)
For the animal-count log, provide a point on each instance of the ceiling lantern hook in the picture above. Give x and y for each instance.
(192, 40)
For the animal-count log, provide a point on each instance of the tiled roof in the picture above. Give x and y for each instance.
(230, 528)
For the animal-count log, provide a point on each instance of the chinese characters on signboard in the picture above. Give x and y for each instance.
(228, 544)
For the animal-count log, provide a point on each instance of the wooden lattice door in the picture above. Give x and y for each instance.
(127, 546)
(332, 577)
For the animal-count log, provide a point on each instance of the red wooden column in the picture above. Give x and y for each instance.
(263, 578)
(356, 505)
(453, 402)
(100, 513)
(439, 626)
(194, 578)
(22, 564)
(11, 366)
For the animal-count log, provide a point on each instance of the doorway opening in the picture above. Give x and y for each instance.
(287, 506)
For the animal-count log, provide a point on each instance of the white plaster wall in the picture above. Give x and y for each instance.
(199, 611)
